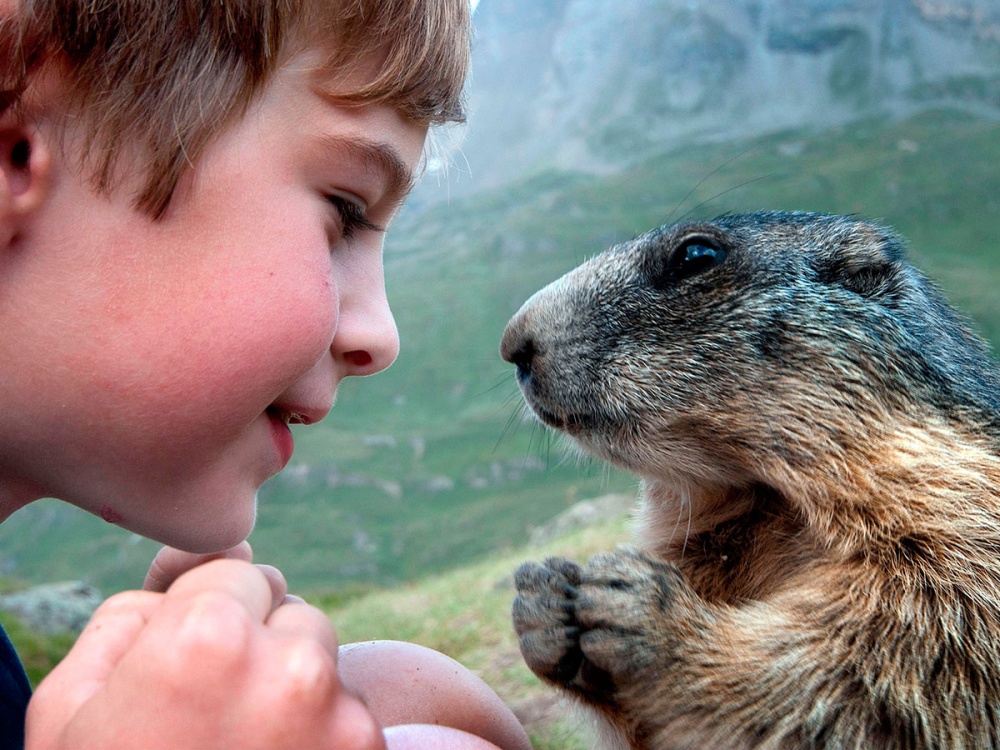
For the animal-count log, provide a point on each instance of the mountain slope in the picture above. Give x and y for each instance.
(431, 464)
(573, 84)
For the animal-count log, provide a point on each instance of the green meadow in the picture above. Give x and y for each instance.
(434, 464)
(405, 512)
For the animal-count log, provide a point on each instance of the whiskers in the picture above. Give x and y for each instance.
(683, 503)
(551, 447)
(518, 415)
(540, 437)
(673, 216)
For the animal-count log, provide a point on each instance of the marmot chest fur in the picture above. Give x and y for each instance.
(818, 438)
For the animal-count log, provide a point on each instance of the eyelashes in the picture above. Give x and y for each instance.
(352, 217)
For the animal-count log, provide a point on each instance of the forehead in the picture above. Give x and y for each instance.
(344, 89)
(376, 135)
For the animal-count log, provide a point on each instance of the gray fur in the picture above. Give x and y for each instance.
(818, 437)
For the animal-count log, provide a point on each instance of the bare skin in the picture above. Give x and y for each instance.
(235, 661)
(169, 430)
(421, 697)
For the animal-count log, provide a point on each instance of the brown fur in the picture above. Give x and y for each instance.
(818, 437)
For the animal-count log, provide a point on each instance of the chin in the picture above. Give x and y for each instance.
(222, 532)
(199, 527)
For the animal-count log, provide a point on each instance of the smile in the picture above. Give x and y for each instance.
(282, 436)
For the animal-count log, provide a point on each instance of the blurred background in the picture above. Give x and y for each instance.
(591, 122)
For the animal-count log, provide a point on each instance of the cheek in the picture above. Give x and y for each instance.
(222, 354)
(271, 338)
(295, 331)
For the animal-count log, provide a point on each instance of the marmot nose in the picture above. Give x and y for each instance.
(518, 348)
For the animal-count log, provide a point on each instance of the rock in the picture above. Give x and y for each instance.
(581, 515)
(602, 85)
(54, 607)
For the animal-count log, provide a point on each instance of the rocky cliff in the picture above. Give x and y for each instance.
(596, 84)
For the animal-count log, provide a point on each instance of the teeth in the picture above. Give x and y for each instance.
(289, 417)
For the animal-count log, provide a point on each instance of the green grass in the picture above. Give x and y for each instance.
(465, 613)
(39, 652)
(435, 443)
(453, 479)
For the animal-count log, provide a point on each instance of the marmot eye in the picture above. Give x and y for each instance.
(693, 257)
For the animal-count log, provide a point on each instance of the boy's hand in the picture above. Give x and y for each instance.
(170, 564)
(213, 662)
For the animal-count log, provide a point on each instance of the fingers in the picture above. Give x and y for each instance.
(170, 564)
(113, 629)
(213, 662)
(111, 633)
(308, 650)
(279, 587)
(296, 618)
(253, 586)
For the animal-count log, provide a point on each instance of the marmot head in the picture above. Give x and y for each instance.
(700, 352)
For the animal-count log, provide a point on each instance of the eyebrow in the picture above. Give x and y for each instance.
(379, 158)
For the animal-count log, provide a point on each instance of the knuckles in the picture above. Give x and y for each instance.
(241, 682)
(306, 675)
(214, 640)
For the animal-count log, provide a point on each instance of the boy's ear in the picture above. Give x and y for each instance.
(25, 172)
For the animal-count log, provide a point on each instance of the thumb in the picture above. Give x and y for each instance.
(170, 564)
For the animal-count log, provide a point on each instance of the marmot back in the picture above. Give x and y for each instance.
(818, 436)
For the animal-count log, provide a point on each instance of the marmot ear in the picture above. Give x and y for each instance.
(862, 258)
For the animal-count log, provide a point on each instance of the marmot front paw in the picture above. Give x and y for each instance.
(591, 629)
(829, 427)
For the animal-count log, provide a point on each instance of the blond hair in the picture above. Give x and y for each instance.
(162, 77)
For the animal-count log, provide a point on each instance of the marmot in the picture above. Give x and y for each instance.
(817, 434)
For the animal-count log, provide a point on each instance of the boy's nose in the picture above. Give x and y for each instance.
(367, 340)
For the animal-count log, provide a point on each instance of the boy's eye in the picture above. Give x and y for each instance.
(352, 215)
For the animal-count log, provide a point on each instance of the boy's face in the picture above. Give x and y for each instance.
(158, 362)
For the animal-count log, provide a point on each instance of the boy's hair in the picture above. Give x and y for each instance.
(159, 78)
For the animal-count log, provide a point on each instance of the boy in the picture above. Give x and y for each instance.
(193, 195)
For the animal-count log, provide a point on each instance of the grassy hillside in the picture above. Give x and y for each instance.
(431, 464)
(465, 613)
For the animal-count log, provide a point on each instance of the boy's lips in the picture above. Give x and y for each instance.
(282, 436)
(280, 416)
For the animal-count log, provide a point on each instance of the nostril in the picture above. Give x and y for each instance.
(523, 356)
(359, 358)
(518, 347)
